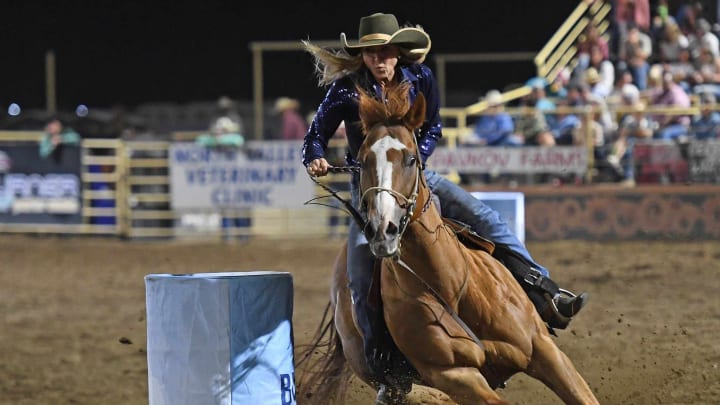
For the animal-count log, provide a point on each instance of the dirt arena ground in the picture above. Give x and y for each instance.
(648, 336)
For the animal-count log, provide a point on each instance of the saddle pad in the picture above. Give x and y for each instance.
(468, 237)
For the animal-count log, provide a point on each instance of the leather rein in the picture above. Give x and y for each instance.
(411, 214)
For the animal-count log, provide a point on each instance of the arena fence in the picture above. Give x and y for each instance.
(125, 188)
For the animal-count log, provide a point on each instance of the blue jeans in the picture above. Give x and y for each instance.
(455, 203)
(671, 132)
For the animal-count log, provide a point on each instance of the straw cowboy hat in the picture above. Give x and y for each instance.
(592, 76)
(381, 29)
(493, 98)
(286, 103)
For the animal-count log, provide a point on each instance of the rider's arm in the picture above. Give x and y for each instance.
(431, 130)
(330, 114)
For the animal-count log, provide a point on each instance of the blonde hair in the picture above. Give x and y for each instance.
(331, 65)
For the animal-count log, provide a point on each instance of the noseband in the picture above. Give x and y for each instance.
(409, 203)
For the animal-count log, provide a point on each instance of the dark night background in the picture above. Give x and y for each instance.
(133, 52)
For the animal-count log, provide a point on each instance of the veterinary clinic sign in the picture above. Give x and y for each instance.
(260, 174)
(528, 159)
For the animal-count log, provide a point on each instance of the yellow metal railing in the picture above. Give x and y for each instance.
(558, 53)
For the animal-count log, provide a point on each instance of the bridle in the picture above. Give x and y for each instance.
(409, 203)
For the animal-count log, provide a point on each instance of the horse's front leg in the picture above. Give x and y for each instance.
(551, 366)
(450, 364)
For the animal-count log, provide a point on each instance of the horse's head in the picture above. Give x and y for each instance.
(391, 166)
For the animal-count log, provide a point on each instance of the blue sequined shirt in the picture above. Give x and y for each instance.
(340, 104)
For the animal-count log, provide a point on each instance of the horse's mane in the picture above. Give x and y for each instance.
(391, 110)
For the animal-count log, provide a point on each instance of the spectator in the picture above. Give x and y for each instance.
(538, 96)
(703, 37)
(227, 109)
(707, 124)
(495, 127)
(600, 70)
(637, 51)
(627, 13)
(531, 124)
(633, 126)
(707, 75)
(683, 70)
(671, 126)
(672, 40)
(558, 86)
(590, 38)
(225, 130)
(687, 16)
(56, 136)
(623, 85)
(590, 128)
(566, 123)
(294, 126)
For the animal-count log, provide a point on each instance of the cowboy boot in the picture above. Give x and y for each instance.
(570, 304)
(557, 311)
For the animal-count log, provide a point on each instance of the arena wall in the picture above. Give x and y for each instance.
(662, 212)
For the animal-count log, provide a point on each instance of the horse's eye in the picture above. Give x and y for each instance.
(410, 161)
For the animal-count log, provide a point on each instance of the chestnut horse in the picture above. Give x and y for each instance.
(456, 313)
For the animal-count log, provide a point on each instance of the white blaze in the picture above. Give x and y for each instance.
(385, 202)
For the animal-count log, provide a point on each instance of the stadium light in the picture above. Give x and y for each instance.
(14, 109)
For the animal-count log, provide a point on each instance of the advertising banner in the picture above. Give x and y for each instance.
(558, 159)
(704, 159)
(266, 174)
(40, 190)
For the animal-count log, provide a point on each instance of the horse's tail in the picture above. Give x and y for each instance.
(324, 372)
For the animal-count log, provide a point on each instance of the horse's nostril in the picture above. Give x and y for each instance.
(392, 229)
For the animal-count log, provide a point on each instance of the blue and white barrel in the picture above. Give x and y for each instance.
(220, 338)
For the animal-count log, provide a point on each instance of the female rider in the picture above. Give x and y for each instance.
(386, 55)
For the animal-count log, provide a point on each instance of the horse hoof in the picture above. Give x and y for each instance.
(389, 396)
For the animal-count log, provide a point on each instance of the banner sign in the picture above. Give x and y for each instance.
(40, 190)
(526, 159)
(704, 159)
(260, 174)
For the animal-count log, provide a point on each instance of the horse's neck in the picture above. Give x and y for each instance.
(428, 243)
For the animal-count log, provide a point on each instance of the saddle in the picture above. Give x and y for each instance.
(468, 237)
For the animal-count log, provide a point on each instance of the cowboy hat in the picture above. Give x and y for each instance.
(493, 98)
(382, 29)
(286, 103)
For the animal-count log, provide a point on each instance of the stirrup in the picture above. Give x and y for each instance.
(569, 304)
(552, 315)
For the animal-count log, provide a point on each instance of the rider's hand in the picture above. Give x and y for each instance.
(318, 167)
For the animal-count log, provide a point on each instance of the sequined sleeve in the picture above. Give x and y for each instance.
(335, 107)
(431, 131)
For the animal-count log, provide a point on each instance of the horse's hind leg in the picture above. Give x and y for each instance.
(551, 366)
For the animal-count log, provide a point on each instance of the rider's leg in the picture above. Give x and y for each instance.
(458, 204)
(359, 267)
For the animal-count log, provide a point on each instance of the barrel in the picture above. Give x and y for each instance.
(220, 338)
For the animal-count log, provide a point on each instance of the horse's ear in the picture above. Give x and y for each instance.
(416, 115)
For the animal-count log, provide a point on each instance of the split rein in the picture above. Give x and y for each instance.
(411, 201)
